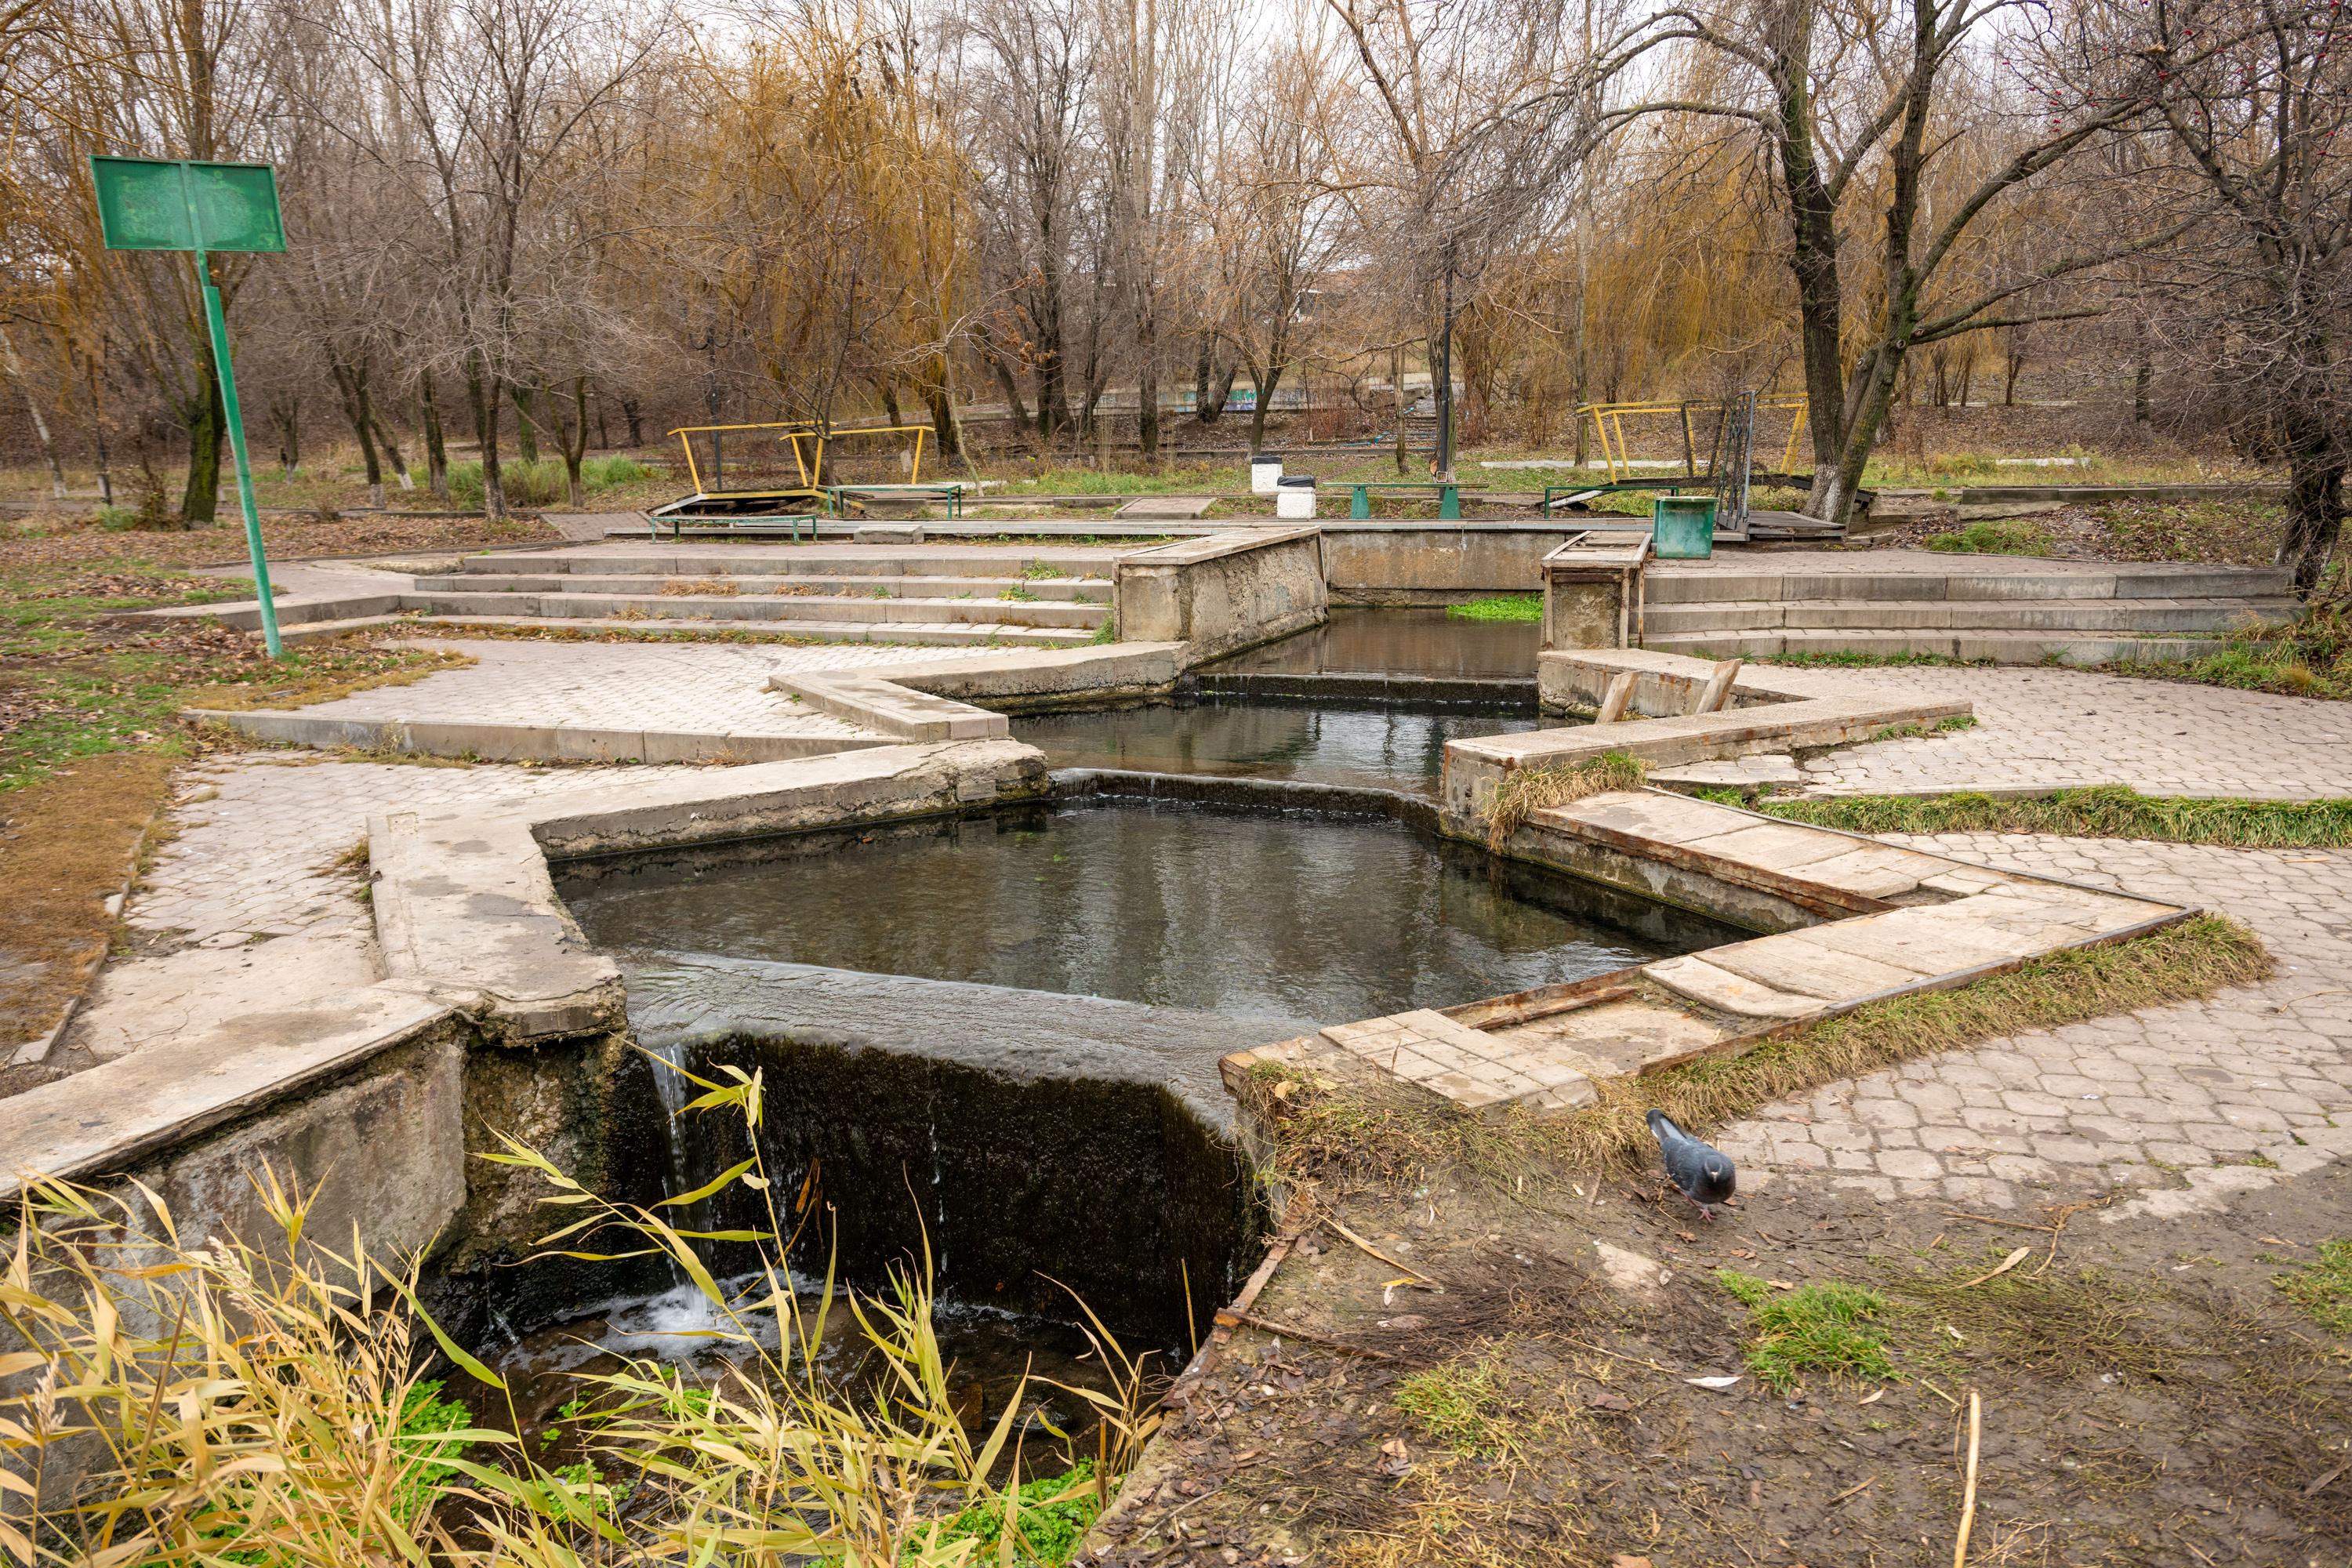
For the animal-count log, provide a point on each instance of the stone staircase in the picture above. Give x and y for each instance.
(1048, 597)
(2006, 610)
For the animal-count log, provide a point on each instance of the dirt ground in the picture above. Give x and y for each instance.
(2148, 1395)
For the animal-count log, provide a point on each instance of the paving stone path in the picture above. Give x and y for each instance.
(2052, 728)
(2137, 1101)
(693, 688)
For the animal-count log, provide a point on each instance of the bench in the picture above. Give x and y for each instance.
(950, 491)
(1449, 495)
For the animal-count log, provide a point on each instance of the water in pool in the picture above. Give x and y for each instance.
(1388, 746)
(1166, 934)
(1398, 642)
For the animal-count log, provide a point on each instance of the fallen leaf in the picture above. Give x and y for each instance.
(2003, 1266)
(2276, 1240)
(1405, 1320)
(1395, 1448)
(1605, 1399)
(1742, 1252)
(1717, 1383)
(1627, 1559)
(1686, 1235)
(1954, 1333)
(1779, 1284)
(1872, 1397)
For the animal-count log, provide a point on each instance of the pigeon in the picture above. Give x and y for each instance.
(1702, 1171)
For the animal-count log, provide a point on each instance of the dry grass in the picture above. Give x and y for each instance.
(702, 588)
(220, 1402)
(1526, 791)
(65, 845)
(359, 668)
(1387, 1133)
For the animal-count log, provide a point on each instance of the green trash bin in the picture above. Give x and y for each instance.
(1682, 528)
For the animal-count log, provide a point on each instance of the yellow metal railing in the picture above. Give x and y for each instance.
(809, 464)
(1609, 425)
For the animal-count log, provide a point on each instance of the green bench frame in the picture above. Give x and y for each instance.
(1449, 498)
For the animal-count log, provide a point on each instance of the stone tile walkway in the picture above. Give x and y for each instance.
(692, 687)
(2135, 1101)
(246, 906)
(2055, 728)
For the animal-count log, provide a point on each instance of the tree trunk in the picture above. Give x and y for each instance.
(630, 411)
(526, 426)
(97, 435)
(207, 428)
(1396, 394)
(349, 388)
(32, 406)
(384, 440)
(484, 399)
(285, 414)
(2314, 497)
(436, 450)
(1146, 409)
(573, 434)
(1266, 386)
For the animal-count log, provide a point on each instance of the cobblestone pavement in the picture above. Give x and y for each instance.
(689, 687)
(2195, 1092)
(2046, 728)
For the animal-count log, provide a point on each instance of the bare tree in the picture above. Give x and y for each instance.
(2234, 115)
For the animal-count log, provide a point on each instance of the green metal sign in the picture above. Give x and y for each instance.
(163, 204)
(177, 203)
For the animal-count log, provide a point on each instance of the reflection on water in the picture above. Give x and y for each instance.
(987, 1353)
(1254, 915)
(1398, 642)
(1389, 746)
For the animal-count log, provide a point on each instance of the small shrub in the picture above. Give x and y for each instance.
(1827, 1327)
(117, 519)
(1050, 1515)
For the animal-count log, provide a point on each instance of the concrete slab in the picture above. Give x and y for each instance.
(1800, 968)
(1725, 992)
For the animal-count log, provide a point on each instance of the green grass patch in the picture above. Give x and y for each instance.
(2323, 1288)
(1455, 1404)
(2108, 811)
(1826, 1327)
(1501, 607)
(1995, 536)
(543, 483)
(1052, 1516)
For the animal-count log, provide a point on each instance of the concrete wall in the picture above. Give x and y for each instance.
(1664, 684)
(1226, 592)
(1435, 564)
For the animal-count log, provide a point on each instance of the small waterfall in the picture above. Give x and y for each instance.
(683, 1309)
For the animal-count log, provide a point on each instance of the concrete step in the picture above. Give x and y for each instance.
(1084, 590)
(1992, 646)
(2137, 615)
(789, 560)
(913, 633)
(1713, 584)
(740, 608)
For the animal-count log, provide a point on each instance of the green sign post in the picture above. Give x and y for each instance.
(172, 204)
